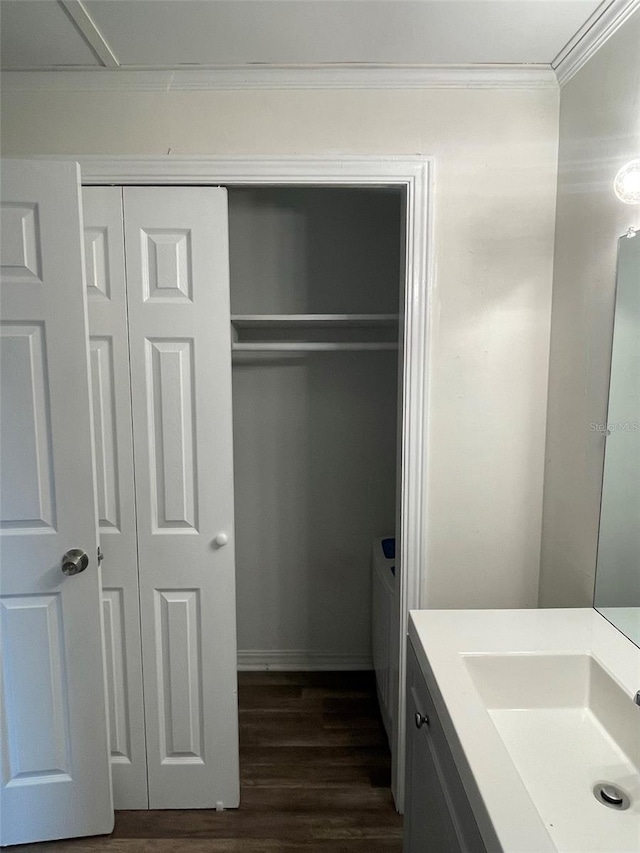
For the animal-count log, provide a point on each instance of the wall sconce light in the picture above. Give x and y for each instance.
(627, 183)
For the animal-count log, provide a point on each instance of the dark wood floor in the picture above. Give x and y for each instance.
(314, 772)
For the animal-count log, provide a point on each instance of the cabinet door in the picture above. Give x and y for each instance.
(111, 390)
(428, 824)
(439, 816)
(176, 244)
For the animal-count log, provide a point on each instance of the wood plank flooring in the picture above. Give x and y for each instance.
(314, 774)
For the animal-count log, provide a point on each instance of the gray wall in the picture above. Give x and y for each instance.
(314, 434)
(599, 132)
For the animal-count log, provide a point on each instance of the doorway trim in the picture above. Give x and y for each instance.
(414, 175)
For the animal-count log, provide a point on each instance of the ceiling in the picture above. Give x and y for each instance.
(171, 34)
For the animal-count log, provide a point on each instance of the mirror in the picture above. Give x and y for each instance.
(617, 592)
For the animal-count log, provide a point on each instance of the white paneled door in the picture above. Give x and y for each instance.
(176, 242)
(111, 389)
(55, 761)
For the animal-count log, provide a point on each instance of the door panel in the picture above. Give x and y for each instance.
(111, 389)
(113, 609)
(104, 427)
(174, 499)
(21, 246)
(26, 454)
(55, 772)
(39, 745)
(178, 301)
(179, 639)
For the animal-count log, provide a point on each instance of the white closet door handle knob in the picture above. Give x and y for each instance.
(221, 539)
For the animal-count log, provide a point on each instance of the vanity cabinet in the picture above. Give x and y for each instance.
(438, 816)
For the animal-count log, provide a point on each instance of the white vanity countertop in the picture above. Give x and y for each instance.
(443, 639)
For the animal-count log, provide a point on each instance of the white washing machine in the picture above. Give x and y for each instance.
(383, 610)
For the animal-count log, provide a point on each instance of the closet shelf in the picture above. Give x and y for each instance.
(312, 321)
(313, 332)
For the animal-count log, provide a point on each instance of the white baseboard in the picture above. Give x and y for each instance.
(291, 660)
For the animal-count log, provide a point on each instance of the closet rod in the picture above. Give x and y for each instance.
(313, 320)
(312, 346)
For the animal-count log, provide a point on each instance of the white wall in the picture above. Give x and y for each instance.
(599, 132)
(495, 154)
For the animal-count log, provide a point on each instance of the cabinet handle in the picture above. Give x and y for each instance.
(421, 720)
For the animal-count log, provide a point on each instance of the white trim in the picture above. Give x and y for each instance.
(285, 77)
(591, 37)
(291, 660)
(174, 169)
(415, 176)
(90, 32)
(419, 280)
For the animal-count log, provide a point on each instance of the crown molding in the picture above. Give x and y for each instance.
(284, 77)
(591, 37)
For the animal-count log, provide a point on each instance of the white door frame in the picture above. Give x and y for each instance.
(415, 176)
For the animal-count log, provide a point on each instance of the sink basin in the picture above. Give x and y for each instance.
(537, 707)
(567, 725)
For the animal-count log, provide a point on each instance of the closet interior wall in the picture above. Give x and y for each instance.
(315, 432)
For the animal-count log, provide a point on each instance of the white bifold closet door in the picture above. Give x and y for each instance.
(177, 291)
(111, 389)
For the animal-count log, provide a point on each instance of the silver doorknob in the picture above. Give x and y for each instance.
(221, 539)
(74, 562)
(421, 720)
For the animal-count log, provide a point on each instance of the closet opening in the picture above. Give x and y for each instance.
(340, 316)
(317, 283)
